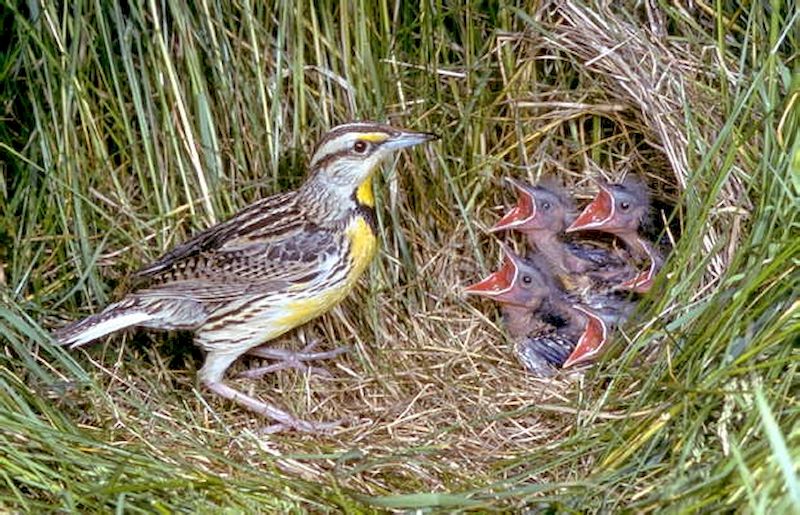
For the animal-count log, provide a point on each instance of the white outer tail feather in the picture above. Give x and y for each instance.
(105, 327)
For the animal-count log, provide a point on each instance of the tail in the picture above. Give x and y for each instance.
(115, 317)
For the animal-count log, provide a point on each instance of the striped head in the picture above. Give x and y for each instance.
(347, 155)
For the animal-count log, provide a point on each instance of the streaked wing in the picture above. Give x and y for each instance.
(265, 220)
(231, 274)
(295, 259)
(208, 292)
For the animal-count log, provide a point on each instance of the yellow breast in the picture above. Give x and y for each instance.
(362, 244)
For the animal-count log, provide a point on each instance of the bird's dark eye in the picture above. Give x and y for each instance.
(624, 205)
(546, 205)
(527, 279)
(360, 146)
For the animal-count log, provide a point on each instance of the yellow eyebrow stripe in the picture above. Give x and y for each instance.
(374, 137)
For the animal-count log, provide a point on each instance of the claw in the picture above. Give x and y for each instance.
(255, 373)
(290, 359)
(284, 420)
(303, 426)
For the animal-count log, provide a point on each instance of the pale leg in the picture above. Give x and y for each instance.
(284, 420)
(211, 377)
(290, 359)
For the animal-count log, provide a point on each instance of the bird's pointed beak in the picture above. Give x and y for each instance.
(592, 340)
(598, 214)
(404, 138)
(523, 212)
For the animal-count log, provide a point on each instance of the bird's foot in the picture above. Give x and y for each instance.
(290, 359)
(284, 420)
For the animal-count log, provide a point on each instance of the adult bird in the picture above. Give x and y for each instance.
(620, 209)
(273, 266)
(548, 329)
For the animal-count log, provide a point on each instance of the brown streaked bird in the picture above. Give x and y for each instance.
(275, 265)
(548, 330)
(542, 214)
(620, 209)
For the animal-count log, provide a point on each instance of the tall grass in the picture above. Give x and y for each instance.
(127, 128)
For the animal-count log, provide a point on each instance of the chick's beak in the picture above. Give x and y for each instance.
(523, 212)
(597, 215)
(402, 139)
(643, 280)
(639, 284)
(498, 285)
(591, 341)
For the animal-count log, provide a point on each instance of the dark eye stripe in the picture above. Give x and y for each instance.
(326, 160)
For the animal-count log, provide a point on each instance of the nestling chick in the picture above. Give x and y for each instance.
(542, 214)
(548, 331)
(619, 209)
